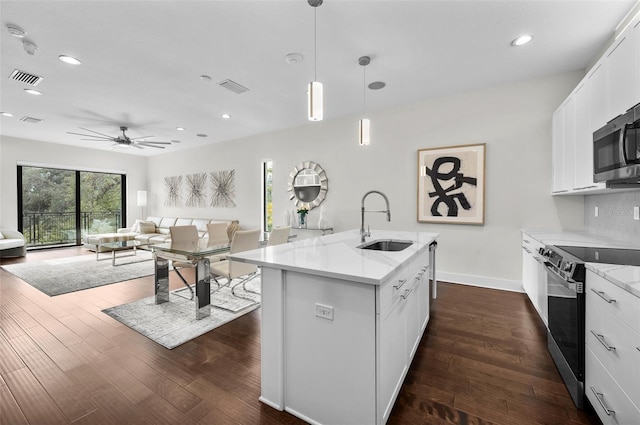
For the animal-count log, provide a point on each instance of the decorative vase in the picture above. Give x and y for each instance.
(322, 221)
(302, 221)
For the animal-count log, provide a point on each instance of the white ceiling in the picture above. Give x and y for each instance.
(141, 60)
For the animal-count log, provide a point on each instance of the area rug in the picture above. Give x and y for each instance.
(64, 275)
(174, 323)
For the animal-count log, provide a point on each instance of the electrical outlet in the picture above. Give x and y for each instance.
(595, 211)
(636, 213)
(324, 311)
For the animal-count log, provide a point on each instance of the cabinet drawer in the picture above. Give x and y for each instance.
(609, 395)
(531, 245)
(390, 291)
(613, 299)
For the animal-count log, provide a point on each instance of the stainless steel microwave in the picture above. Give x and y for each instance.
(616, 150)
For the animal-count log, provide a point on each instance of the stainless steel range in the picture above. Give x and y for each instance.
(566, 285)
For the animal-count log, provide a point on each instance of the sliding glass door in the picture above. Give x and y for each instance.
(58, 207)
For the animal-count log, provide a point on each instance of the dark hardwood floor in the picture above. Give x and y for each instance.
(483, 360)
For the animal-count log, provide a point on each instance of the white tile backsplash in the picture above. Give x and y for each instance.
(615, 215)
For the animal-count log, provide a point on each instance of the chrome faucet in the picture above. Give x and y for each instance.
(363, 233)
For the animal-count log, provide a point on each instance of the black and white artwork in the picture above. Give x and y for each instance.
(223, 188)
(451, 184)
(173, 186)
(196, 190)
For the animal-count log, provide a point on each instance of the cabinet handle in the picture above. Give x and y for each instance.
(401, 282)
(526, 249)
(526, 240)
(600, 338)
(600, 398)
(406, 293)
(602, 295)
(638, 348)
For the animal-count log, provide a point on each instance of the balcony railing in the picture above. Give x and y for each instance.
(59, 228)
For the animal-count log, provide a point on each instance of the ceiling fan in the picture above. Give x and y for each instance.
(123, 140)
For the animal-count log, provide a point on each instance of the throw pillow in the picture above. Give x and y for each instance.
(136, 227)
(147, 227)
(1, 235)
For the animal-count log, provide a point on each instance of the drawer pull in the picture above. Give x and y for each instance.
(600, 398)
(600, 338)
(526, 249)
(406, 293)
(602, 295)
(638, 348)
(400, 283)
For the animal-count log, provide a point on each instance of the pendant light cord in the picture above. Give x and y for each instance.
(364, 91)
(315, 44)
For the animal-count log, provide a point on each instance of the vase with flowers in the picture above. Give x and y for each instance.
(302, 217)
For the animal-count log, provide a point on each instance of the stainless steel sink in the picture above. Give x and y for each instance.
(386, 245)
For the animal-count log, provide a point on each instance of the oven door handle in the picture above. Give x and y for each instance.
(622, 146)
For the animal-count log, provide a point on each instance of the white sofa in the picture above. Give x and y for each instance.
(155, 230)
(12, 244)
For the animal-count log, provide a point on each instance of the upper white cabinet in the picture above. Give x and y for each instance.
(610, 88)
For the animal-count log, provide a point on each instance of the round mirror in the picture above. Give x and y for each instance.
(307, 185)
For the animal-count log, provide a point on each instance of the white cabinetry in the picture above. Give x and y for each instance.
(534, 276)
(404, 306)
(612, 326)
(610, 88)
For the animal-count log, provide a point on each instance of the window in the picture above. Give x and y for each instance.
(267, 195)
(59, 207)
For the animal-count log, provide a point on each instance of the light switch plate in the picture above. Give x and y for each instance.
(636, 213)
(595, 211)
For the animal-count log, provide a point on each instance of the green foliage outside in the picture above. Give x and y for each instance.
(49, 204)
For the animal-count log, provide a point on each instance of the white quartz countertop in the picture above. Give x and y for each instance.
(626, 277)
(576, 238)
(336, 255)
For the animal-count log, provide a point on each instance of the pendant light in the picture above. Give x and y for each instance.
(364, 125)
(314, 91)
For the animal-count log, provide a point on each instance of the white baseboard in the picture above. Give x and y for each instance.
(482, 281)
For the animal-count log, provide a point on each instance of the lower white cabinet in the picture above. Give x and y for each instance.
(401, 325)
(337, 351)
(612, 375)
(534, 276)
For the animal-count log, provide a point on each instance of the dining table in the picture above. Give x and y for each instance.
(199, 254)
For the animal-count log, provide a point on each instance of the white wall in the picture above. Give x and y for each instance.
(514, 120)
(14, 151)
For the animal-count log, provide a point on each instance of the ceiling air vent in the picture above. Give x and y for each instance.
(25, 77)
(233, 86)
(30, 120)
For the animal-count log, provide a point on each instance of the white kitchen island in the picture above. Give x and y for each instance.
(340, 325)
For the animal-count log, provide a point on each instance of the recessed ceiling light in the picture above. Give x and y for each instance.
(6, 114)
(226, 116)
(69, 59)
(205, 77)
(32, 91)
(293, 58)
(201, 135)
(176, 141)
(522, 40)
(180, 128)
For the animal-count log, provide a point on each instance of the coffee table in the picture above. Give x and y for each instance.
(118, 246)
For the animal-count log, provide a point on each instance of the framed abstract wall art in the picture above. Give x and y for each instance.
(451, 182)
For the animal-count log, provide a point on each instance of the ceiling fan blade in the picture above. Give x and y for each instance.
(99, 140)
(149, 146)
(143, 137)
(86, 129)
(91, 135)
(155, 143)
(135, 145)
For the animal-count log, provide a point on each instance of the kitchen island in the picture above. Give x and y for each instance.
(340, 324)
